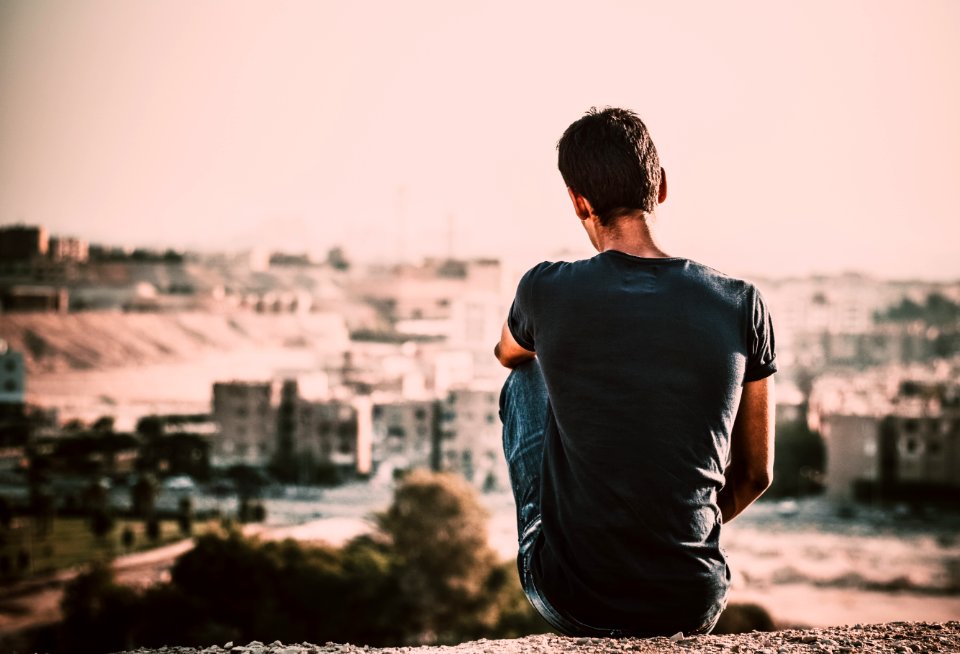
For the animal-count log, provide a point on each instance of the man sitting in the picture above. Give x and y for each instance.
(639, 415)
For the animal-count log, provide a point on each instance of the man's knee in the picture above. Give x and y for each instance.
(524, 380)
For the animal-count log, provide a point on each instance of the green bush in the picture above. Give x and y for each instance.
(427, 575)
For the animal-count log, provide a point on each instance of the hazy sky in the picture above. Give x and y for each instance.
(797, 137)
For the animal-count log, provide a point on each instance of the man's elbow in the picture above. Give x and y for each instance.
(512, 357)
(759, 481)
(514, 361)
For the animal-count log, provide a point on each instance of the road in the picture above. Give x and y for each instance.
(36, 601)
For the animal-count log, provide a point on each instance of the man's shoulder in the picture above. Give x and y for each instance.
(545, 270)
(695, 273)
(722, 281)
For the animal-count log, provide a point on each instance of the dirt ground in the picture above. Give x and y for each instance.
(896, 637)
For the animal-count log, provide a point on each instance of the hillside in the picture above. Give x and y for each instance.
(105, 339)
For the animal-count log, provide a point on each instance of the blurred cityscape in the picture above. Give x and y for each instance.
(165, 390)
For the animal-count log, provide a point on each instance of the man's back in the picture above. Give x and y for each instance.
(643, 360)
(638, 413)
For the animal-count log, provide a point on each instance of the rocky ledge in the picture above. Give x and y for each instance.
(894, 637)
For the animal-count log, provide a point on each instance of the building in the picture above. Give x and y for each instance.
(15, 429)
(829, 321)
(891, 434)
(178, 444)
(247, 421)
(23, 242)
(13, 376)
(66, 248)
(420, 300)
(472, 441)
(320, 439)
(406, 434)
(330, 433)
(34, 297)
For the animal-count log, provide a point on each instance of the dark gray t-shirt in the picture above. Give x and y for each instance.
(644, 360)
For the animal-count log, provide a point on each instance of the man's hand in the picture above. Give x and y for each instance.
(750, 472)
(509, 353)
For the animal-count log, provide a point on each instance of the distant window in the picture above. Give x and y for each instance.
(490, 419)
(10, 365)
(9, 385)
(909, 389)
(910, 446)
(420, 414)
(934, 447)
(911, 426)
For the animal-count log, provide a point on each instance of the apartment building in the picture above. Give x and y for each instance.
(472, 440)
(892, 433)
(406, 433)
(244, 411)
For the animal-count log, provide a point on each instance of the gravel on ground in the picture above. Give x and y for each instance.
(893, 637)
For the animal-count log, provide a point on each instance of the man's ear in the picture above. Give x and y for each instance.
(662, 193)
(581, 205)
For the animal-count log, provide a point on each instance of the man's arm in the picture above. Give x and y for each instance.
(750, 472)
(509, 353)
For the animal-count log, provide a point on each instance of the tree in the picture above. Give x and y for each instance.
(185, 516)
(101, 522)
(153, 528)
(437, 529)
(103, 425)
(97, 613)
(337, 259)
(799, 461)
(127, 537)
(144, 495)
(6, 513)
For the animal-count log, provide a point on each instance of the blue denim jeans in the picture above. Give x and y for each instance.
(524, 412)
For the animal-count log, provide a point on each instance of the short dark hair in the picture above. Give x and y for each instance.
(609, 158)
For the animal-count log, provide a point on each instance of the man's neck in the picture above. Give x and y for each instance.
(630, 234)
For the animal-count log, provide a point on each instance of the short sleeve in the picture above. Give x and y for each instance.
(520, 320)
(761, 350)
